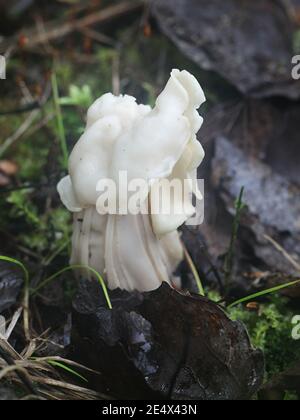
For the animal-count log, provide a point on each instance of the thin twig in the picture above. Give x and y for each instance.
(20, 131)
(6, 347)
(47, 260)
(98, 36)
(60, 123)
(55, 30)
(29, 351)
(40, 124)
(66, 361)
(26, 313)
(40, 26)
(31, 397)
(13, 323)
(11, 368)
(40, 378)
(20, 371)
(28, 98)
(28, 121)
(71, 387)
(286, 255)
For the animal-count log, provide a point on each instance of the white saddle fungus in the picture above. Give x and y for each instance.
(134, 252)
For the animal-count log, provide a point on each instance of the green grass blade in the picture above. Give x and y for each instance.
(19, 264)
(60, 123)
(264, 293)
(46, 261)
(75, 267)
(194, 271)
(67, 369)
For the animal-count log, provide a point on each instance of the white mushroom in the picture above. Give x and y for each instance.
(134, 251)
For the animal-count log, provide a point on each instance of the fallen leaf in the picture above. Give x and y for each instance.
(164, 344)
(252, 47)
(10, 285)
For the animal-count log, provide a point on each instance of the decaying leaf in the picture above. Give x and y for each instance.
(164, 344)
(252, 47)
(58, 341)
(10, 285)
(254, 145)
(273, 202)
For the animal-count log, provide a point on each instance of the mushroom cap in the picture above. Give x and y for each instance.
(148, 144)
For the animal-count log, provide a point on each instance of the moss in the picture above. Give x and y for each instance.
(270, 330)
(291, 396)
(41, 233)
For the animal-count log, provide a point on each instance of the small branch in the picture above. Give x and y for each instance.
(55, 30)
(24, 127)
(26, 313)
(8, 349)
(286, 255)
(13, 323)
(6, 352)
(98, 37)
(60, 123)
(20, 131)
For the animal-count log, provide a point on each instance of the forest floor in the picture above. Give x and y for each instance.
(60, 59)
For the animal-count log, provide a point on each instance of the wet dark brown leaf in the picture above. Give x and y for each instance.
(249, 43)
(273, 202)
(253, 144)
(164, 344)
(10, 285)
